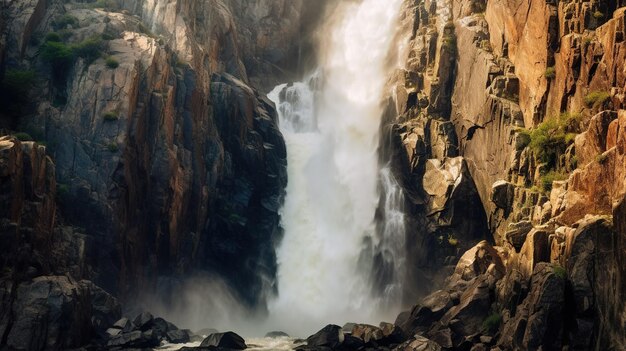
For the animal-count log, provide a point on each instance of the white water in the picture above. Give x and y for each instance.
(331, 122)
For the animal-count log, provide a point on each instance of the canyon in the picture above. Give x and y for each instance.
(454, 168)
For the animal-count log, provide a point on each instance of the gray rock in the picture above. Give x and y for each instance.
(329, 336)
(228, 340)
(177, 336)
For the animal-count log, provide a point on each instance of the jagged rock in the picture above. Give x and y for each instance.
(419, 343)
(177, 336)
(55, 313)
(538, 321)
(144, 321)
(422, 316)
(536, 249)
(392, 334)
(593, 141)
(517, 232)
(477, 261)
(329, 336)
(502, 194)
(124, 324)
(352, 343)
(368, 333)
(592, 272)
(135, 339)
(227, 340)
(472, 310)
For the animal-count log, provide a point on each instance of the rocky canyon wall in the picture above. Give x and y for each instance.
(528, 97)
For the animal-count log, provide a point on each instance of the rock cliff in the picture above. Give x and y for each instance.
(528, 97)
(147, 123)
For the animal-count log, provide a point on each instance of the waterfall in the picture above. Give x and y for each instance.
(331, 123)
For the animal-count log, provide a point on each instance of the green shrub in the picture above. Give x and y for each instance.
(59, 55)
(14, 90)
(18, 81)
(111, 62)
(89, 49)
(449, 25)
(560, 272)
(550, 177)
(492, 323)
(21, 136)
(597, 98)
(53, 36)
(486, 45)
(64, 21)
(551, 137)
(550, 73)
(598, 15)
(110, 116)
(113, 147)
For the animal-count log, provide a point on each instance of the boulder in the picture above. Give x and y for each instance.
(536, 249)
(422, 316)
(134, 339)
(228, 340)
(502, 195)
(538, 321)
(419, 343)
(56, 313)
(144, 321)
(370, 334)
(472, 310)
(516, 233)
(177, 336)
(124, 324)
(392, 334)
(329, 336)
(477, 261)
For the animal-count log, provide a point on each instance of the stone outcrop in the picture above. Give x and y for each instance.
(174, 129)
(521, 71)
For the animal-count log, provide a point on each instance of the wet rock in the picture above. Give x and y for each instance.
(329, 336)
(135, 339)
(370, 334)
(54, 312)
(124, 324)
(422, 316)
(392, 334)
(144, 321)
(206, 331)
(177, 336)
(419, 343)
(228, 340)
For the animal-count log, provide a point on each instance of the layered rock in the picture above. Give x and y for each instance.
(171, 130)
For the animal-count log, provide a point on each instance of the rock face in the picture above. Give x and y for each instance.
(169, 161)
(492, 83)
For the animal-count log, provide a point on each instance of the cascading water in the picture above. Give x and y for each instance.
(331, 123)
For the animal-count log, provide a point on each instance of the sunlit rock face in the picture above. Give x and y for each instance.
(188, 170)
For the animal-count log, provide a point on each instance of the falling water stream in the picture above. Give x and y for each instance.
(331, 123)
